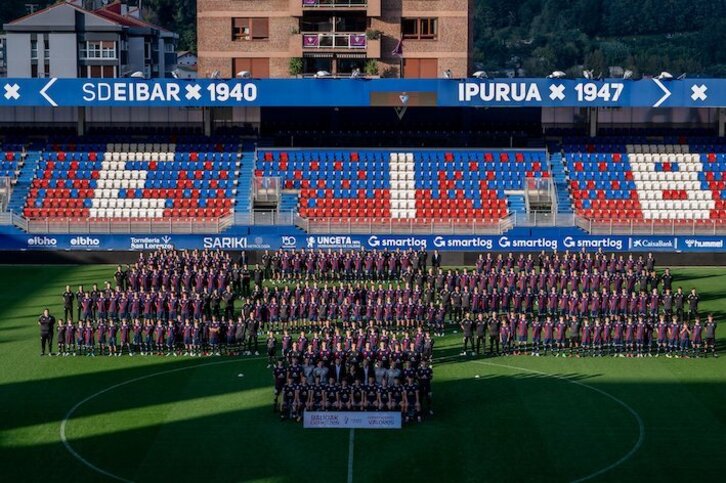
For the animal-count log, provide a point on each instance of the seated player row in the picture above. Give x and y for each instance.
(406, 398)
(353, 386)
(623, 336)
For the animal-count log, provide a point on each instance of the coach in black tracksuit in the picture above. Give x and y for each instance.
(46, 322)
(68, 297)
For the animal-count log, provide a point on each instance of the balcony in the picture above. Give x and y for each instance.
(334, 42)
(372, 7)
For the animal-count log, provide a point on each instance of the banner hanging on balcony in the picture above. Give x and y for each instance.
(361, 92)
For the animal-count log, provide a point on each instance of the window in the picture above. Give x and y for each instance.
(147, 50)
(420, 68)
(34, 51)
(256, 28)
(258, 68)
(100, 71)
(419, 28)
(98, 49)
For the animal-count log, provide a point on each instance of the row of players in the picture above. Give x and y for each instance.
(357, 301)
(383, 264)
(617, 336)
(406, 398)
(208, 271)
(231, 337)
(360, 389)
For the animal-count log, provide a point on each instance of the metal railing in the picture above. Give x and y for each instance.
(334, 3)
(334, 41)
(108, 226)
(365, 226)
(651, 227)
(6, 190)
(538, 218)
(265, 217)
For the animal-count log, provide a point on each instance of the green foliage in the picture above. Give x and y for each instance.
(373, 34)
(371, 67)
(647, 36)
(296, 66)
(179, 16)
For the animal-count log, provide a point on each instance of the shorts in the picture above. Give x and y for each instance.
(522, 338)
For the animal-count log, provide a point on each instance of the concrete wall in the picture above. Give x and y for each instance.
(18, 49)
(136, 54)
(63, 55)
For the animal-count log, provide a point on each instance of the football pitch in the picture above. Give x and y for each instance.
(516, 418)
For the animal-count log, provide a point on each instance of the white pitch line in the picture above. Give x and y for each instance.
(70, 413)
(351, 451)
(633, 412)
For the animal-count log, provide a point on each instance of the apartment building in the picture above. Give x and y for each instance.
(288, 38)
(67, 40)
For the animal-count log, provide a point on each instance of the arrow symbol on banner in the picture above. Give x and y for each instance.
(666, 92)
(44, 92)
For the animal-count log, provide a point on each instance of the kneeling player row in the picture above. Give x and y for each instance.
(404, 397)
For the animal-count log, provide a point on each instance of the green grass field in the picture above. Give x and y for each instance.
(522, 419)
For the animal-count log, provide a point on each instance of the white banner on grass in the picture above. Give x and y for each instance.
(347, 419)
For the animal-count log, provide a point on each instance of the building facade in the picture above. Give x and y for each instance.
(3, 58)
(65, 40)
(283, 38)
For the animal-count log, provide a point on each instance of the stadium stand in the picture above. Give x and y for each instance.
(628, 180)
(134, 180)
(402, 184)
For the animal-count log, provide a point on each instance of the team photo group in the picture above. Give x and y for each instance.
(205, 303)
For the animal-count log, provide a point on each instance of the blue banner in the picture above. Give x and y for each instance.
(363, 92)
(471, 243)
